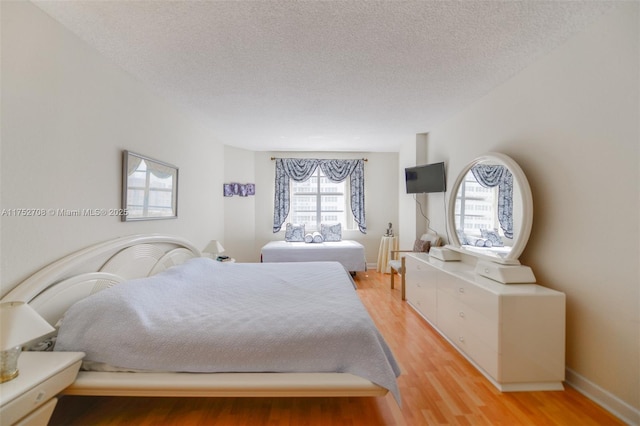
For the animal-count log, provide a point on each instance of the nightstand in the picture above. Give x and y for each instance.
(29, 399)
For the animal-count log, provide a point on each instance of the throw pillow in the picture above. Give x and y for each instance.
(492, 236)
(294, 233)
(421, 246)
(331, 232)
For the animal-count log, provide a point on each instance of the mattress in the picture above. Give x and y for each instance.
(348, 252)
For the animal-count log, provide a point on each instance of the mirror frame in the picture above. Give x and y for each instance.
(126, 155)
(520, 179)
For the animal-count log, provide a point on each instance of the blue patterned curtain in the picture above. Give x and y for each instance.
(494, 175)
(300, 169)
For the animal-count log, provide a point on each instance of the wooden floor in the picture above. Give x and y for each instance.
(438, 387)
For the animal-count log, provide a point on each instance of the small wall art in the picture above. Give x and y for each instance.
(241, 189)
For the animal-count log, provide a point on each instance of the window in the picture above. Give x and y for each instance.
(148, 194)
(476, 207)
(319, 200)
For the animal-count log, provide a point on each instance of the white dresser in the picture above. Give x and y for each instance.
(513, 333)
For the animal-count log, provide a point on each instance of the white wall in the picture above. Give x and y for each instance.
(67, 114)
(407, 212)
(240, 212)
(413, 208)
(571, 122)
(381, 193)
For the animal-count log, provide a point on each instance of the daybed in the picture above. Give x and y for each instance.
(81, 288)
(348, 252)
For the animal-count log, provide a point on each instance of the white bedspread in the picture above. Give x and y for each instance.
(348, 252)
(208, 316)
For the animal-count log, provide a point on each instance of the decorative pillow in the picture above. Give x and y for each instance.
(331, 232)
(492, 236)
(421, 246)
(294, 233)
(317, 237)
(308, 238)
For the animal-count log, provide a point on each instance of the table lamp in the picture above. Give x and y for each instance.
(20, 325)
(214, 248)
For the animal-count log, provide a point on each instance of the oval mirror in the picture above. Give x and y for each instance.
(491, 209)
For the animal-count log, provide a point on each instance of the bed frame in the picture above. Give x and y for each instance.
(51, 290)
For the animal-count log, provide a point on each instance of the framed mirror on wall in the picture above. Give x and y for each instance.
(149, 188)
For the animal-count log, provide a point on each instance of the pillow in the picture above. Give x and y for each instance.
(308, 238)
(421, 246)
(294, 233)
(331, 232)
(433, 238)
(317, 237)
(492, 236)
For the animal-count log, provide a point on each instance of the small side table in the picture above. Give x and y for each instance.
(30, 398)
(387, 245)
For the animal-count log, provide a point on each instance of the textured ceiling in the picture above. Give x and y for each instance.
(323, 75)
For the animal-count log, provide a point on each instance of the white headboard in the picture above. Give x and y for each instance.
(51, 290)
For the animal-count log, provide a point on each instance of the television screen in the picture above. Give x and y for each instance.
(426, 178)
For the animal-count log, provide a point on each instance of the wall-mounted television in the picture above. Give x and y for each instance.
(426, 178)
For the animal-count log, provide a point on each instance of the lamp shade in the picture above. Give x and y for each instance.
(214, 247)
(20, 324)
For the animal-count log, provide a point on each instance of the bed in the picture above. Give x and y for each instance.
(103, 272)
(348, 252)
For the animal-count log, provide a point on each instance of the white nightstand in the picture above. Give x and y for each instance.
(29, 399)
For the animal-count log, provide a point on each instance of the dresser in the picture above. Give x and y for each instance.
(514, 334)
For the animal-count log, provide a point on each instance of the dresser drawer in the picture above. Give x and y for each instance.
(483, 301)
(40, 416)
(421, 284)
(483, 355)
(456, 318)
(423, 298)
(448, 321)
(484, 329)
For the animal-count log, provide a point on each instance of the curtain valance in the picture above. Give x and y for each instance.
(300, 169)
(158, 170)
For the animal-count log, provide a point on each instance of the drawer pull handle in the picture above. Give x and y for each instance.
(461, 290)
(461, 339)
(461, 314)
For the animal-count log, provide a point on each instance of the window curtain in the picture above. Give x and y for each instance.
(132, 164)
(490, 176)
(300, 169)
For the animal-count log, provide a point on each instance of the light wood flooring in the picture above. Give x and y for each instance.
(438, 387)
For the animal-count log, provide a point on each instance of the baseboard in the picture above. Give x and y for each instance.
(604, 398)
